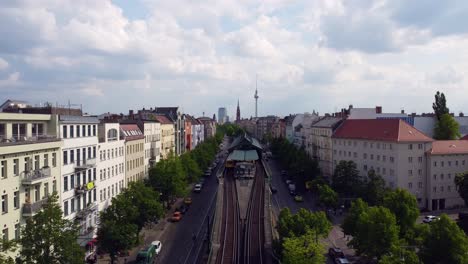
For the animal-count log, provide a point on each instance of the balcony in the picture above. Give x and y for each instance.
(85, 164)
(30, 209)
(22, 139)
(35, 176)
(86, 211)
(86, 232)
(85, 188)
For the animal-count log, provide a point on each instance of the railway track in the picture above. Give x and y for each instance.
(254, 232)
(229, 250)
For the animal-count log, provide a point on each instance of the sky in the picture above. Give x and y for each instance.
(303, 55)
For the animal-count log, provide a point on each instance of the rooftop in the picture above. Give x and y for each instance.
(131, 132)
(441, 147)
(164, 120)
(68, 119)
(327, 122)
(395, 130)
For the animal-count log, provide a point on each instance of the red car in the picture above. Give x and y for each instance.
(176, 217)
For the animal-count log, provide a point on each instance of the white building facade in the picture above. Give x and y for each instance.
(152, 133)
(79, 198)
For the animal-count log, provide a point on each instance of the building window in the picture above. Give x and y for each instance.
(435, 177)
(365, 167)
(419, 172)
(64, 132)
(365, 155)
(420, 159)
(420, 146)
(16, 200)
(65, 183)
(435, 163)
(420, 185)
(83, 130)
(46, 160)
(72, 204)
(78, 131)
(65, 208)
(456, 163)
(410, 185)
(94, 130)
(410, 172)
(384, 158)
(442, 176)
(89, 130)
(449, 163)
(5, 234)
(410, 146)
(392, 172)
(72, 156)
(392, 159)
(94, 152)
(441, 163)
(72, 132)
(3, 169)
(36, 162)
(441, 188)
(410, 159)
(17, 231)
(16, 167)
(449, 176)
(4, 203)
(54, 159)
(371, 156)
(65, 157)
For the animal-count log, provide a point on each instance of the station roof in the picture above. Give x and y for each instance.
(245, 142)
(243, 155)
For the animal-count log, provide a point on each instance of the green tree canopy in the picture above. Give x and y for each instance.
(327, 196)
(115, 237)
(7, 247)
(440, 105)
(168, 178)
(301, 222)
(346, 179)
(404, 206)
(303, 250)
(349, 224)
(377, 233)
(447, 128)
(375, 188)
(461, 181)
(400, 256)
(191, 168)
(49, 238)
(445, 243)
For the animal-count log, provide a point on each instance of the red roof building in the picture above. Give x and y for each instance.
(131, 132)
(394, 130)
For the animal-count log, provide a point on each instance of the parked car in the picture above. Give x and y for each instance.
(298, 198)
(335, 252)
(430, 218)
(176, 217)
(182, 209)
(342, 261)
(288, 181)
(158, 246)
(197, 188)
(292, 192)
(188, 200)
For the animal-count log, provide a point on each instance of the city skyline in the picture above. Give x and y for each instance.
(186, 54)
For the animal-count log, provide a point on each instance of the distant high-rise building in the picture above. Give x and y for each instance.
(238, 117)
(222, 113)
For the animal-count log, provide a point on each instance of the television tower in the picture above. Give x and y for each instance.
(256, 98)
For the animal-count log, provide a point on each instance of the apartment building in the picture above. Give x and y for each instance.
(152, 132)
(167, 136)
(134, 152)
(209, 126)
(321, 143)
(391, 147)
(79, 173)
(188, 133)
(197, 131)
(111, 165)
(29, 167)
(177, 117)
(445, 159)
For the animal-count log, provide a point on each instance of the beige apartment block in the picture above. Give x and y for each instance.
(445, 159)
(391, 147)
(321, 143)
(167, 136)
(134, 153)
(29, 167)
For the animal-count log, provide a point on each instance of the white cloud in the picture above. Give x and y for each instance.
(3, 64)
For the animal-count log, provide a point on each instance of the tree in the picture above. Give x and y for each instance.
(349, 225)
(445, 243)
(401, 256)
(168, 178)
(327, 196)
(5, 247)
(377, 233)
(447, 128)
(49, 238)
(191, 168)
(303, 250)
(115, 237)
(375, 188)
(461, 181)
(440, 105)
(346, 178)
(404, 206)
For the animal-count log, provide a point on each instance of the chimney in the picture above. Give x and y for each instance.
(461, 114)
(402, 111)
(130, 114)
(378, 109)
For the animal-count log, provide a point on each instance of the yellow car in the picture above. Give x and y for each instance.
(188, 201)
(298, 198)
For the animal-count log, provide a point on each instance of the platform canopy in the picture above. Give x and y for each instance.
(243, 155)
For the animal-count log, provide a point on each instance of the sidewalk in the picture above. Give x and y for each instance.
(148, 234)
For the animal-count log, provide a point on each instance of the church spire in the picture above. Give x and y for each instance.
(238, 117)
